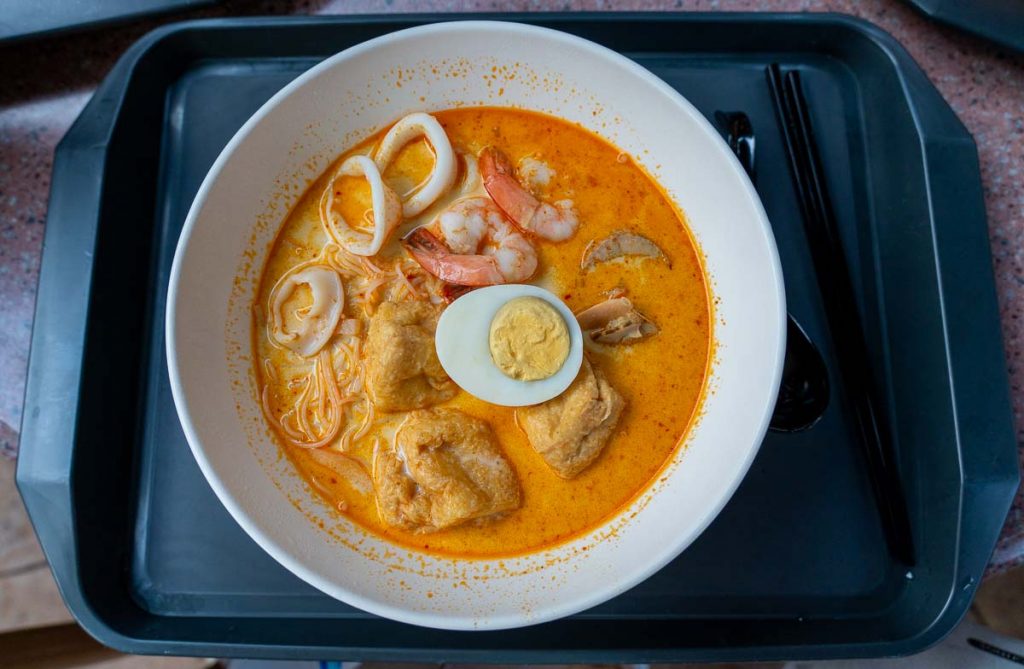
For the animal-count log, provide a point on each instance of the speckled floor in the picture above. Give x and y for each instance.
(44, 85)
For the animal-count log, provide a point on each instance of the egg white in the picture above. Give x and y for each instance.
(463, 347)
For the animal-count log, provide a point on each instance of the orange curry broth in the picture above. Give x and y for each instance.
(661, 378)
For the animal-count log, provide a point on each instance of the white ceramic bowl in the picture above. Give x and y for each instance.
(291, 139)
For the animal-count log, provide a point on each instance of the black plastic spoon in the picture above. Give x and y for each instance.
(804, 391)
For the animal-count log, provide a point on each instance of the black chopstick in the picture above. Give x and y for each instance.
(840, 306)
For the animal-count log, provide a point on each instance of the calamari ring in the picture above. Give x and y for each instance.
(442, 176)
(320, 319)
(387, 209)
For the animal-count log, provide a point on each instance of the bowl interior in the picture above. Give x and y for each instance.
(266, 167)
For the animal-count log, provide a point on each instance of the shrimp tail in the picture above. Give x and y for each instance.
(437, 258)
(451, 292)
(423, 242)
(500, 182)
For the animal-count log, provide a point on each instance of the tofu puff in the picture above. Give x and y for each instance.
(445, 468)
(570, 430)
(403, 371)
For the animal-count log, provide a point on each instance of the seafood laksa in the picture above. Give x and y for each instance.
(472, 204)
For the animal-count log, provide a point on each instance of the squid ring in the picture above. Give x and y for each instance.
(387, 210)
(320, 319)
(442, 176)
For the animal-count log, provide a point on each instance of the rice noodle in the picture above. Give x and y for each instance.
(369, 293)
(405, 283)
(302, 409)
(356, 386)
(281, 425)
(347, 352)
(398, 293)
(265, 401)
(367, 422)
(369, 266)
(291, 432)
(340, 260)
(322, 390)
(345, 442)
(372, 286)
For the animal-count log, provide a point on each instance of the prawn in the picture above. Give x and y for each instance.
(472, 244)
(554, 222)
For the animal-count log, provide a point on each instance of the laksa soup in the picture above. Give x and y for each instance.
(482, 332)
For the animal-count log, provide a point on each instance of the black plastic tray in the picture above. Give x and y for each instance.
(796, 565)
(1001, 21)
(24, 19)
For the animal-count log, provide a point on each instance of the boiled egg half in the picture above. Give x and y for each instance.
(507, 344)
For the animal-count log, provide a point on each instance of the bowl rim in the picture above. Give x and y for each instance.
(564, 606)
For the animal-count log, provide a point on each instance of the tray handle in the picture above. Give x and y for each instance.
(977, 361)
(50, 419)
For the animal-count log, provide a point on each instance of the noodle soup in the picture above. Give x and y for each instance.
(364, 269)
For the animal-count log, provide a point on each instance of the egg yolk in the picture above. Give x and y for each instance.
(529, 339)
